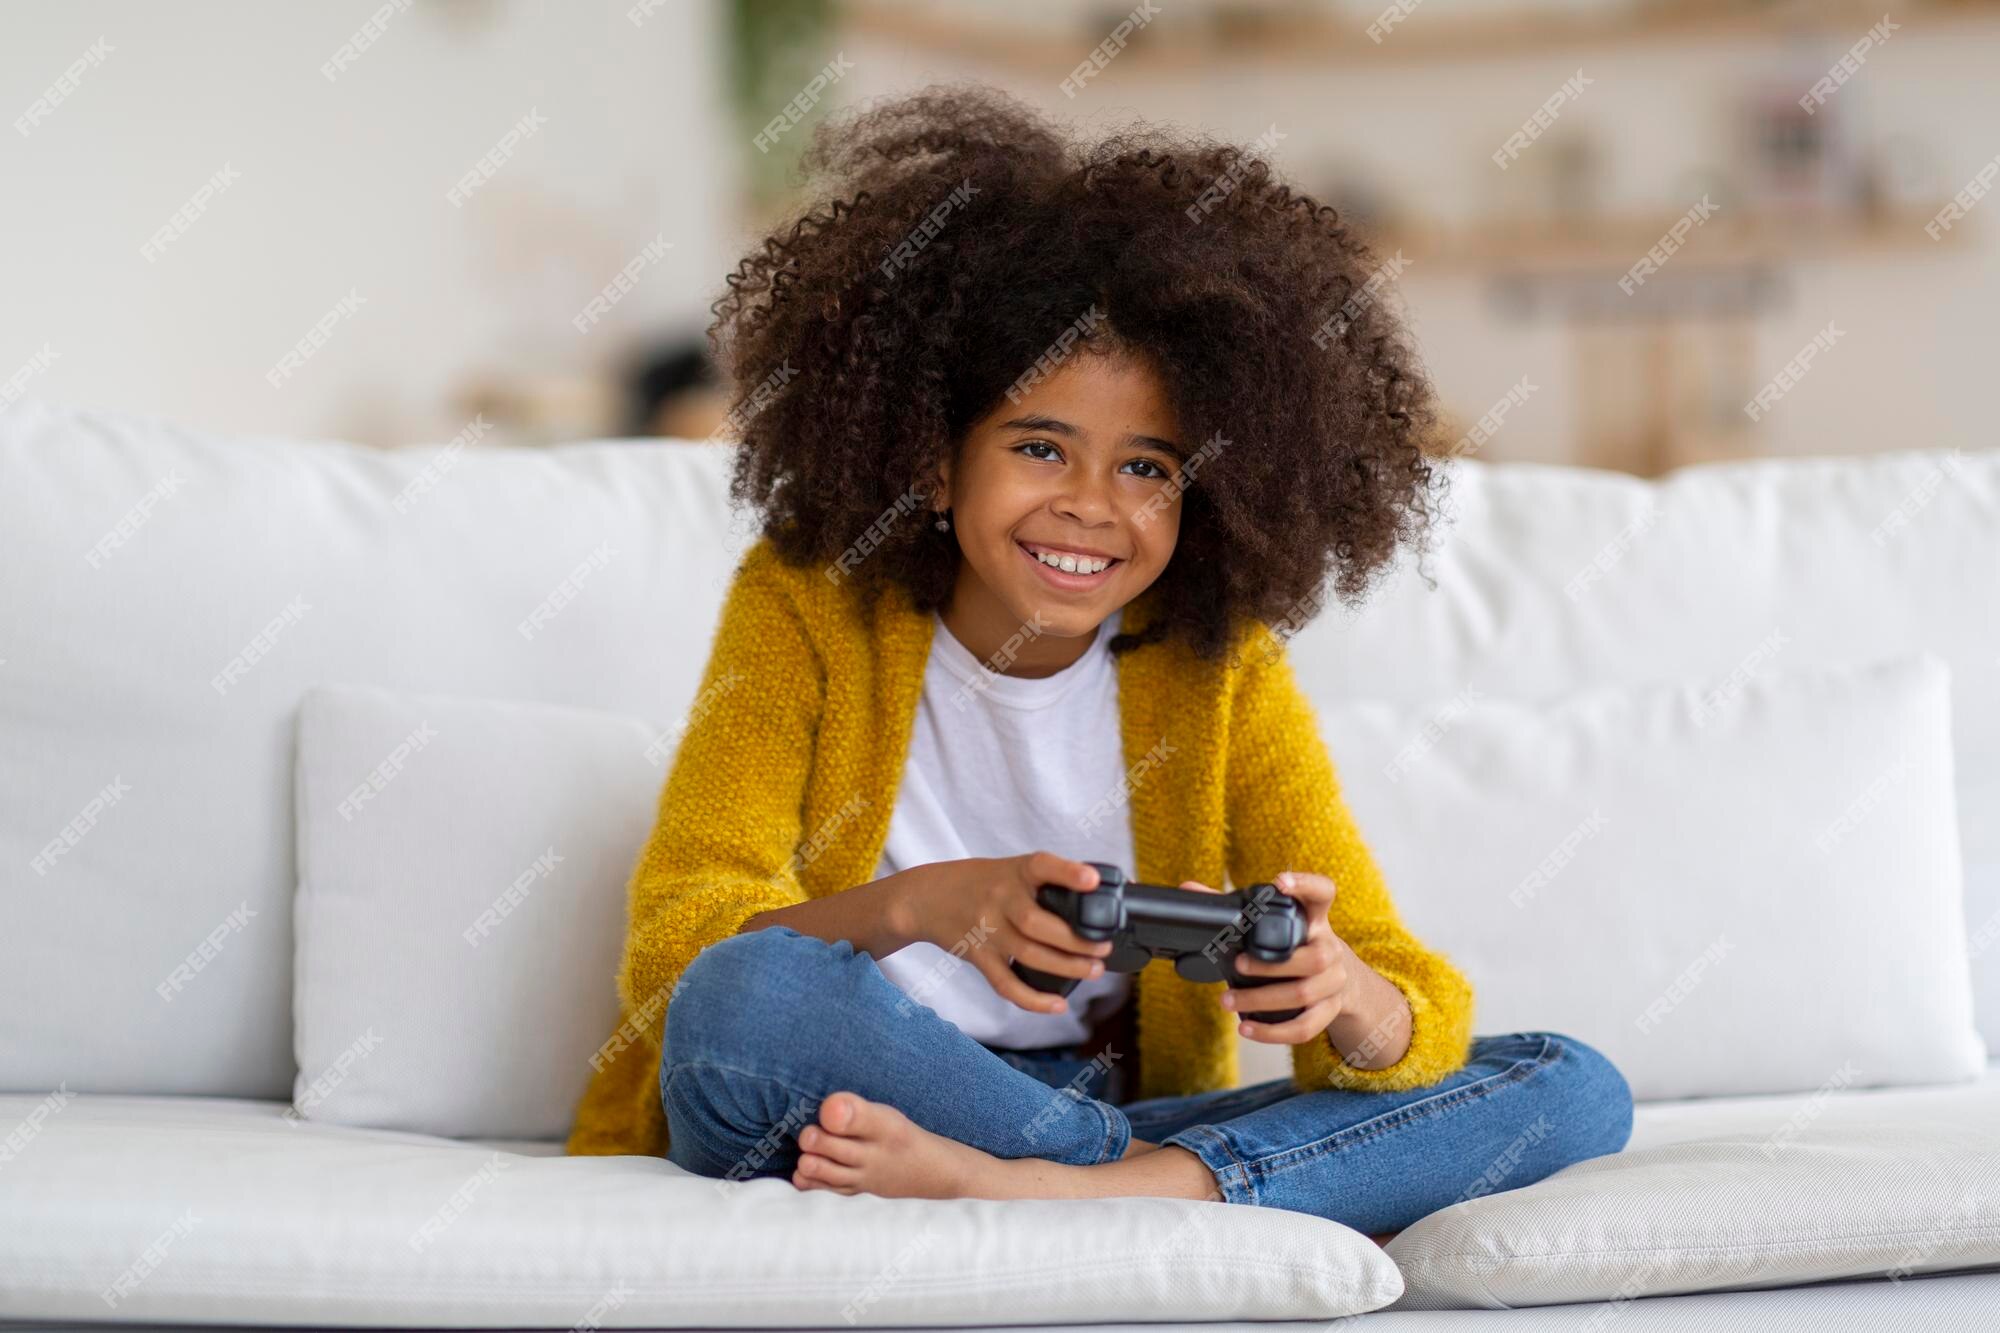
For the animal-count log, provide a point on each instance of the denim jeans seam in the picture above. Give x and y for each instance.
(696, 1135)
(764, 1078)
(1112, 1118)
(1232, 1177)
(680, 1065)
(723, 1154)
(1290, 1159)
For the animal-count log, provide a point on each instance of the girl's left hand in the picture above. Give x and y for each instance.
(1321, 976)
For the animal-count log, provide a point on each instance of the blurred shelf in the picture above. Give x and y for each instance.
(1619, 243)
(1334, 38)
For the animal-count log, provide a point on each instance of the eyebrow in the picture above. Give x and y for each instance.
(1057, 426)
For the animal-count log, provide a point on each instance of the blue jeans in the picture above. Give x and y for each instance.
(769, 1022)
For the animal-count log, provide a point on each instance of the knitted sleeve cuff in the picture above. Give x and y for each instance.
(1440, 1037)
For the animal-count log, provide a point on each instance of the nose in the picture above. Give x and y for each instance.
(1086, 497)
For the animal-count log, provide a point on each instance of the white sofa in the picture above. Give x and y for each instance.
(188, 936)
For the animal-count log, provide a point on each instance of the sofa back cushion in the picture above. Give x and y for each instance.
(1550, 580)
(171, 594)
(459, 930)
(1726, 887)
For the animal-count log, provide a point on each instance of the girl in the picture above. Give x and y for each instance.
(1046, 437)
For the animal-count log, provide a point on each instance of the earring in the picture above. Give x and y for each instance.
(943, 524)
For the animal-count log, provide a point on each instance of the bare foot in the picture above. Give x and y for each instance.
(864, 1147)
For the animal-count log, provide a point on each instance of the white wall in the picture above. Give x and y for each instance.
(341, 187)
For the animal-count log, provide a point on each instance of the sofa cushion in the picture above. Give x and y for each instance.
(1726, 886)
(1728, 1193)
(1550, 580)
(255, 1218)
(459, 928)
(172, 593)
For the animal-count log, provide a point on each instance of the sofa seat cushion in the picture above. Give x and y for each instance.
(141, 1209)
(1734, 1193)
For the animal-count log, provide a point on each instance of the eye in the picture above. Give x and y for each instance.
(1155, 472)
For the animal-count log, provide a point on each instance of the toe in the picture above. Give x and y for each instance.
(825, 1173)
(837, 1147)
(837, 1112)
(876, 1121)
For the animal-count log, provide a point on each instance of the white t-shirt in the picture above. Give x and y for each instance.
(1001, 766)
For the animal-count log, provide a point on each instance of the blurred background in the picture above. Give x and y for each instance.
(1611, 224)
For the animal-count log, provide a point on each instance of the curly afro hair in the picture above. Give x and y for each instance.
(964, 233)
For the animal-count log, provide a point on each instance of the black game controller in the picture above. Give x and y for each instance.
(1202, 932)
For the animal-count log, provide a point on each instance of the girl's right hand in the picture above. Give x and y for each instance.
(984, 910)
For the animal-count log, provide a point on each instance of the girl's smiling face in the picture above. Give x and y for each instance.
(1084, 468)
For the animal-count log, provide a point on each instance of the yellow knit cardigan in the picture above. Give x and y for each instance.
(787, 774)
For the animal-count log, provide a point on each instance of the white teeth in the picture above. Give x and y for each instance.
(1071, 564)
